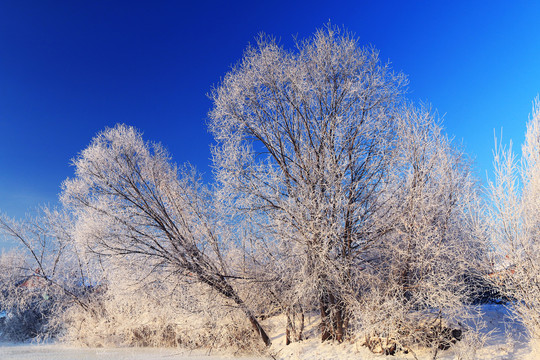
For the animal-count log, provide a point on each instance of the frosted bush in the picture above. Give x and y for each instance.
(159, 316)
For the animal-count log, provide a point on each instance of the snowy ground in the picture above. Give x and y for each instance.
(504, 340)
(61, 352)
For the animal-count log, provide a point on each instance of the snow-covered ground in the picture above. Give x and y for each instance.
(504, 340)
(62, 352)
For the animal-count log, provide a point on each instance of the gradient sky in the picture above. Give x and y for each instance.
(70, 68)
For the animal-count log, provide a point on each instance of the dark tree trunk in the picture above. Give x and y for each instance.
(333, 318)
(221, 285)
(288, 329)
(258, 328)
(338, 326)
(254, 323)
(301, 332)
(326, 332)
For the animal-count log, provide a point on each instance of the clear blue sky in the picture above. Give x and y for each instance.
(70, 68)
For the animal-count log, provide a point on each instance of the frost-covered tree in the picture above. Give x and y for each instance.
(420, 274)
(132, 204)
(42, 276)
(515, 215)
(306, 137)
(354, 196)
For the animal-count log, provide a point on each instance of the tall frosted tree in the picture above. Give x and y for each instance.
(306, 137)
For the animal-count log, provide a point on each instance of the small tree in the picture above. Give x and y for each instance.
(132, 204)
(515, 215)
(48, 276)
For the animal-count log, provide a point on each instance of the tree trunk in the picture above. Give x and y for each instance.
(326, 332)
(254, 323)
(288, 329)
(338, 326)
(338, 316)
(258, 328)
(332, 318)
(301, 333)
(222, 286)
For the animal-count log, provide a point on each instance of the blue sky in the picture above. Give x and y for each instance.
(68, 69)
